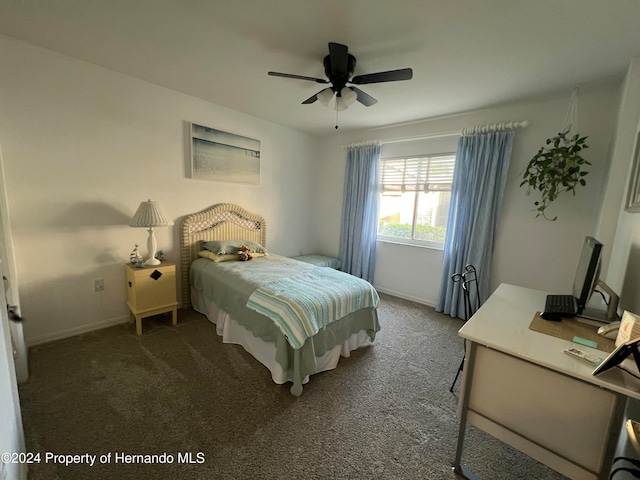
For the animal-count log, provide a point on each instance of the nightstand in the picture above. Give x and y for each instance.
(151, 291)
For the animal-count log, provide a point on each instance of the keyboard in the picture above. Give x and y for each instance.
(562, 304)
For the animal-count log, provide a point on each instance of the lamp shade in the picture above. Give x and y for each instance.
(150, 214)
(344, 98)
(325, 96)
(348, 96)
(340, 105)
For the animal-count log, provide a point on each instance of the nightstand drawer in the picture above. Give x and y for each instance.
(152, 287)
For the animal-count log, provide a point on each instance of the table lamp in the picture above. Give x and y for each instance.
(150, 214)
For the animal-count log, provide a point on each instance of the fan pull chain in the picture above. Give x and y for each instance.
(337, 111)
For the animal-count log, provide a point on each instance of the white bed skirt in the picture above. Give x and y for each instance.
(265, 352)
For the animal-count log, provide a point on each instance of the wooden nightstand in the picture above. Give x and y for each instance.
(151, 291)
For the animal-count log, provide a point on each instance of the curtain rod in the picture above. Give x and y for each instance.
(493, 127)
(362, 143)
(398, 140)
(422, 137)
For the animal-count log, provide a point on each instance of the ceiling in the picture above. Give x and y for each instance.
(465, 54)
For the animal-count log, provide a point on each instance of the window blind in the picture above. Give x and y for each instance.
(423, 174)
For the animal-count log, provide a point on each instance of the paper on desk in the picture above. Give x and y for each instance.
(629, 328)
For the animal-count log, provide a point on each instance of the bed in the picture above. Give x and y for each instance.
(261, 305)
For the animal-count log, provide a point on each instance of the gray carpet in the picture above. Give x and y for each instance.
(385, 413)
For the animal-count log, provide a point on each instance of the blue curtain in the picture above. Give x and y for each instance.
(478, 184)
(360, 212)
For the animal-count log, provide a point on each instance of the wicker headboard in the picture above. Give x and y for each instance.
(224, 221)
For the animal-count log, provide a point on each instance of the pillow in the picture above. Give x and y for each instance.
(224, 247)
(225, 257)
(218, 258)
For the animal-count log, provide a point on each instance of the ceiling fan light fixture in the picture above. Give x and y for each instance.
(348, 96)
(340, 104)
(325, 96)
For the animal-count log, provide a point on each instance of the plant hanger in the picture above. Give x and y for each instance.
(571, 117)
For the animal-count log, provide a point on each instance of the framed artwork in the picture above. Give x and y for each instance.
(633, 199)
(223, 156)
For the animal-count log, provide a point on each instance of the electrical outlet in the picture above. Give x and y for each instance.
(98, 285)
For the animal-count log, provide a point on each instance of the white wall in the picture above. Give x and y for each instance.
(623, 274)
(83, 146)
(531, 252)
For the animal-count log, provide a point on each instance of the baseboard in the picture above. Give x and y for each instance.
(405, 296)
(71, 332)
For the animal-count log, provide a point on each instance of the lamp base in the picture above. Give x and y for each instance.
(152, 261)
(151, 249)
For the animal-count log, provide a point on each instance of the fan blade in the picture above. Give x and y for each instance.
(390, 76)
(339, 56)
(299, 77)
(310, 100)
(365, 99)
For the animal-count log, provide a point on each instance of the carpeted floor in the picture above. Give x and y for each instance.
(385, 413)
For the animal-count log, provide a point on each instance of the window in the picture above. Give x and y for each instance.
(414, 199)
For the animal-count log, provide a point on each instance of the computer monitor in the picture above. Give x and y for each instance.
(586, 273)
(587, 280)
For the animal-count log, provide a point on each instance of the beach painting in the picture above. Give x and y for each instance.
(223, 156)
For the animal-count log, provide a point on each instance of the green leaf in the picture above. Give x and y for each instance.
(555, 169)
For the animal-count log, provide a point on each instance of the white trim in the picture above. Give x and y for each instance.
(71, 332)
(7, 255)
(404, 296)
(409, 242)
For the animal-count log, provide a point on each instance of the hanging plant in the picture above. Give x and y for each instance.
(558, 167)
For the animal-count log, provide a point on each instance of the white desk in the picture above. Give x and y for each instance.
(520, 387)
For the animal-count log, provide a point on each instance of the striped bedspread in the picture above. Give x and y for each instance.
(303, 304)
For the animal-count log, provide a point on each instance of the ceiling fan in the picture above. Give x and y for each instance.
(339, 67)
